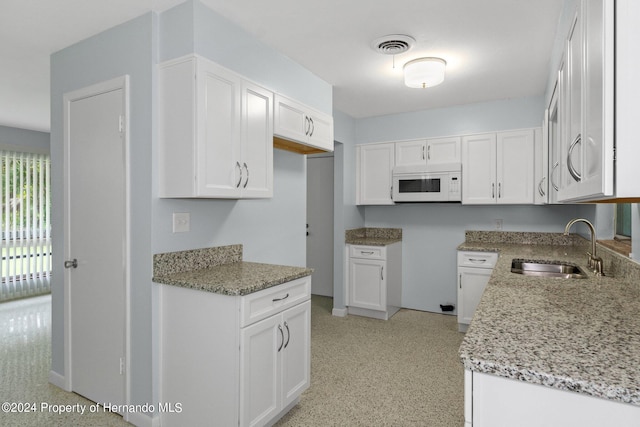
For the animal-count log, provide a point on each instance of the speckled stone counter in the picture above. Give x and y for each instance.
(580, 335)
(373, 236)
(221, 270)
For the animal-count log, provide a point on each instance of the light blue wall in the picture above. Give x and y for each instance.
(271, 230)
(126, 49)
(457, 120)
(192, 27)
(431, 232)
(23, 138)
(346, 214)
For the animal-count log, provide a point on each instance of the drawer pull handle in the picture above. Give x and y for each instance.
(288, 334)
(280, 299)
(282, 336)
(366, 252)
(478, 260)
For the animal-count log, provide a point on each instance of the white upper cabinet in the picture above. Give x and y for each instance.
(296, 122)
(433, 151)
(409, 153)
(599, 103)
(443, 150)
(216, 132)
(374, 166)
(498, 168)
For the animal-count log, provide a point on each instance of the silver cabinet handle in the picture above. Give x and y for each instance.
(313, 126)
(423, 157)
(307, 125)
(493, 190)
(247, 179)
(499, 190)
(282, 336)
(381, 273)
(366, 252)
(460, 281)
(540, 189)
(572, 170)
(280, 299)
(288, 334)
(71, 264)
(240, 173)
(553, 169)
(429, 152)
(478, 260)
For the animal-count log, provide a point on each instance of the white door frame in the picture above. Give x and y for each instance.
(93, 90)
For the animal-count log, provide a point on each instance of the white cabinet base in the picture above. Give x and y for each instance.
(498, 401)
(382, 315)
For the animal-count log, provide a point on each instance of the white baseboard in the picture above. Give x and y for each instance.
(143, 420)
(339, 312)
(58, 380)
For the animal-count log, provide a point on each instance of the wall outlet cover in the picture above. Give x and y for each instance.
(181, 222)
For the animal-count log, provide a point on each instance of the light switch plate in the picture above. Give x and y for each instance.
(181, 222)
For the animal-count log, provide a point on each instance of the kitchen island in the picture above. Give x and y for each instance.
(532, 337)
(235, 337)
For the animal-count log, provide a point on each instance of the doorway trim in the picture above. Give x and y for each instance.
(118, 83)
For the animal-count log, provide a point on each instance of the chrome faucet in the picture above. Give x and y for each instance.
(594, 262)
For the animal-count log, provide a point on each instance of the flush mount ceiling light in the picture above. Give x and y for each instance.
(424, 72)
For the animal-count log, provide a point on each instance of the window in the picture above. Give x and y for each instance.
(26, 228)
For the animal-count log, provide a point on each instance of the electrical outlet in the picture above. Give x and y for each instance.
(181, 222)
(498, 224)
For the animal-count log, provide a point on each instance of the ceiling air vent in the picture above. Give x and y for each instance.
(393, 44)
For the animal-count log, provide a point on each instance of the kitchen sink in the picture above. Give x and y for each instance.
(558, 269)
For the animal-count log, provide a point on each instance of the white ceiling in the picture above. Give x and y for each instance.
(495, 49)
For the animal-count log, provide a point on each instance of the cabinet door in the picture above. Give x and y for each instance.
(479, 169)
(597, 146)
(296, 352)
(471, 284)
(573, 143)
(515, 155)
(374, 166)
(367, 284)
(260, 347)
(218, 141)
(257, 142)
(409, 153)
(289, 119)
(443, 150)
(321, 131)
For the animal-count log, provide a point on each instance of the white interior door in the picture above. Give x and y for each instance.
(96, 238)
(320, 224)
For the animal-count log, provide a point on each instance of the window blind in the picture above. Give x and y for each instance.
(26, 228)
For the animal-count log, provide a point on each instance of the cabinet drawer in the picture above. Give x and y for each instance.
(262, 304)
(477, 259)
(369, 252)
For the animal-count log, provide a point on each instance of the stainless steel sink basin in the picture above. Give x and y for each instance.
(558, 269)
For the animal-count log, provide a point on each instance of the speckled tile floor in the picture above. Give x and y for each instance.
(25, 361)
(364, 372)
(368, 372)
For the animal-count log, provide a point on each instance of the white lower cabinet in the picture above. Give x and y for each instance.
(234, 360)
(374, 286)
(493, 401)
(474, 271)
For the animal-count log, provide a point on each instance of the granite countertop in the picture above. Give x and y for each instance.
(221, 270)
(580, 335)
(373, 236)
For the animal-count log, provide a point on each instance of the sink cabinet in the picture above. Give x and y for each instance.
(234, 360)
(474, 272)
(374, 285)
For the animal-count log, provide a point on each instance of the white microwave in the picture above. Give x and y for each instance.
(436, 183)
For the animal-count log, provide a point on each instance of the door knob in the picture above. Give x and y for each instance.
(71, 264)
